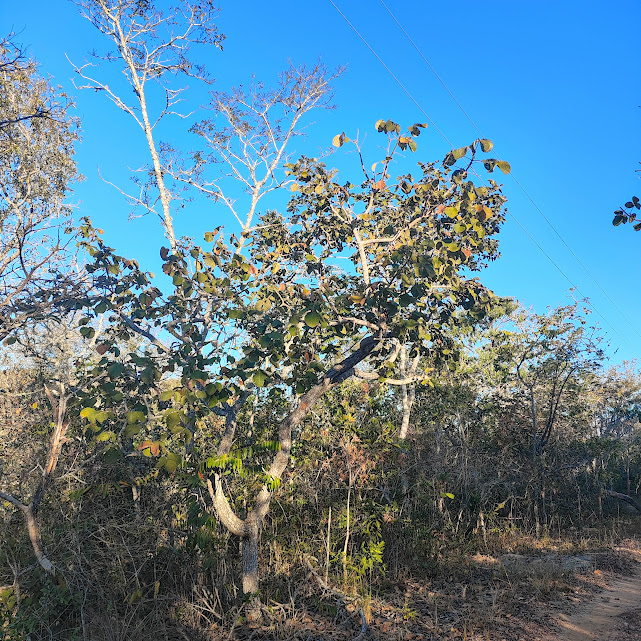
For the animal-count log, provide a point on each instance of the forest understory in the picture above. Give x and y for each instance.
(310, 421)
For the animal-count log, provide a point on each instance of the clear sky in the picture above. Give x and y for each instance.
(555, 85)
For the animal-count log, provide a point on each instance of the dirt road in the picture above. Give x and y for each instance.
(613, 615)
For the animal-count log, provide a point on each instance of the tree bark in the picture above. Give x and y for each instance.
(34, 537)
(33, 530)
(408, 391)
(624, 497)
(250, 570)
(58, 402)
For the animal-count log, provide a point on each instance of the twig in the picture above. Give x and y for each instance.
(342, 597)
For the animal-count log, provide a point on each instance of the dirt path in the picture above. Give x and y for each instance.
(613, 615)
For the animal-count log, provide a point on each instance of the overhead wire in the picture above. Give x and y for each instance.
(521, 226)
(513, 176)
(391, 73)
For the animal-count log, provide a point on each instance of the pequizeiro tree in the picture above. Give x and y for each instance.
(353, 273)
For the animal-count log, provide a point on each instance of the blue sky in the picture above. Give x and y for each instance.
(555, 85)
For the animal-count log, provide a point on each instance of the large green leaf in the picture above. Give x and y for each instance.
(312, 319)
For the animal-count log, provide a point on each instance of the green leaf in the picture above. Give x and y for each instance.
(459, 153)
(619, 217)
(259, 378)
(380, 125)
(171, 463)
(447, 495)
(105, 436)
(89, 413)
(132, 430)
(405, 300)
(412, 145)
(486, 145)
(115, 370)
(208, 237)
(135, 417)
(172, 419)
(504, 166)
(391, 126)
(264, 304)
(449, 159)
(87, 332)
(312, 319)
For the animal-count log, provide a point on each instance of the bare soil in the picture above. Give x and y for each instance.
(615, 613)
(545, 594)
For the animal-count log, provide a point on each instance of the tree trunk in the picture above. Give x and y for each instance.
(624, 497)
(408, 391)
(250, 559)
(34, 537)
(249, 527)
(58, 402)
(250, 571)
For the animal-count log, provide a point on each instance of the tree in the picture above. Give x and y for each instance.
(13, 64)
(628, 213)
(152, 48)
(30, 505)
(37, 138)
(559, 352)
(37, 172)
(553, 358)
(282, 319)
(252, 144)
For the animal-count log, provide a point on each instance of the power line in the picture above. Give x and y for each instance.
(418, 105)
(391, 73)
(521, 187)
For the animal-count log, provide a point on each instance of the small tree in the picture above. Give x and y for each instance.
(553, 358)
(628, 213)
(557, 354)
(274, 314)
(37, 172)
(152, 48)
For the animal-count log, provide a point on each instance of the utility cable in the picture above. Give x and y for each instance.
(418, 105)
(391, 73)
(521, 187)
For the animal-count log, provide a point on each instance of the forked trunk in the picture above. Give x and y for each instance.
(248, 529)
